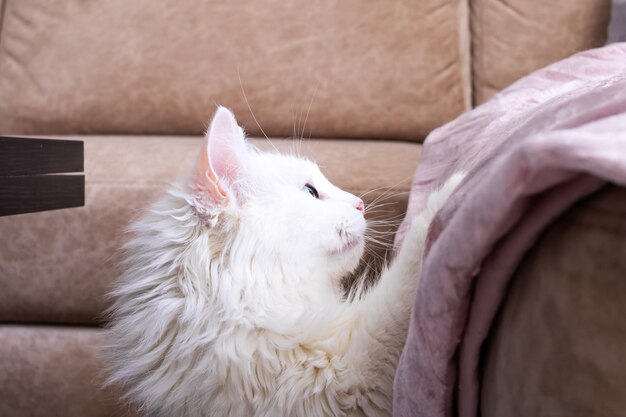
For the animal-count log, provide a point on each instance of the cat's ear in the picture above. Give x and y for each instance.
(222, 156)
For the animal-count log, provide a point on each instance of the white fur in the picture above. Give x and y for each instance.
(235, 309)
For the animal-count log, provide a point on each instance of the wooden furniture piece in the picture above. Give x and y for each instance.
(40, 174)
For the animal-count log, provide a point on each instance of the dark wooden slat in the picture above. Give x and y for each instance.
(39, 193)
(25, 156)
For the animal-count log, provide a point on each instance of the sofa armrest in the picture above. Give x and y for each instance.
(558, 345)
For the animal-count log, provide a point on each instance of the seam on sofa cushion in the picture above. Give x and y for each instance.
(465, 47)
(2, 8)
(474, 19)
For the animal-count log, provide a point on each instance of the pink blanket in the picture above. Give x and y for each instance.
(530, 153)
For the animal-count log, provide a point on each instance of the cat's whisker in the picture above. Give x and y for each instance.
(388, 234)
(373, 225)
(298, 144)
(385, 236)
(251, 112)
(384, 210)
(368, 192)
(298, 134)
(376, 208)
(384, 224)
(383, 213)
(309, 109)
(375, 263)
(377, 238)
(391, 231)
(384, 197)
(377, 202)
(295, 136)
(379, 220)
(380, 204)
(373, 255)
(382, 200)
(382, 236)
(377, 216)
(387, 188)
(379, 241)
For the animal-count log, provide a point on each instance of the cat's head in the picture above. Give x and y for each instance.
(279, 207)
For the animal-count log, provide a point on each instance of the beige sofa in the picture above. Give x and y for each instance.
(362, 82)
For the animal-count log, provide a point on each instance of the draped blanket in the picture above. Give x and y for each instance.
(529, 153)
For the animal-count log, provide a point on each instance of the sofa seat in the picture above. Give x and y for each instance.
(55, 371)
(57, 266)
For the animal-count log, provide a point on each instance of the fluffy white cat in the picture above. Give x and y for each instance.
(230, 304)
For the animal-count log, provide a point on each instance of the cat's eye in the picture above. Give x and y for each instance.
(311, 190)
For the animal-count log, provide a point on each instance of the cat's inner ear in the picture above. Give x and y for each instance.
(221, 158)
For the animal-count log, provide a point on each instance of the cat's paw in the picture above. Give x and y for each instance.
(438, 198)
(418, 230)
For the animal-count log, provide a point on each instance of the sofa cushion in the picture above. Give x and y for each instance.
(55, 371)
(57, 266)
(512, 38)
(357, 70)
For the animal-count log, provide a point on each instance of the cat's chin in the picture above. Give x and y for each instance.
(355, 243)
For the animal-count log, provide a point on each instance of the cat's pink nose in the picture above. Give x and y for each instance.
(358, 204)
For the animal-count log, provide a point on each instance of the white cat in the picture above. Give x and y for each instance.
(230, 304)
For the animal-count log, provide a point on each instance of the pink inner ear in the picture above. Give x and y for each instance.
(222, 157)
(206, 179)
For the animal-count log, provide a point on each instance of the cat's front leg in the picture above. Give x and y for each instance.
(385, 309)
(407, 266)
(396, 288)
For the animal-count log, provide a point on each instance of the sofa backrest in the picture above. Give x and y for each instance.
(350, 69)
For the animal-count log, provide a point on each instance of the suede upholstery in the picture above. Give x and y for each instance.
(558, 346)
(360, 71)
(55, 371)
(62, 263)
(513, 38)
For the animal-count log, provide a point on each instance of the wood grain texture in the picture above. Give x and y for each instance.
(39, 193)
(25, 156)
